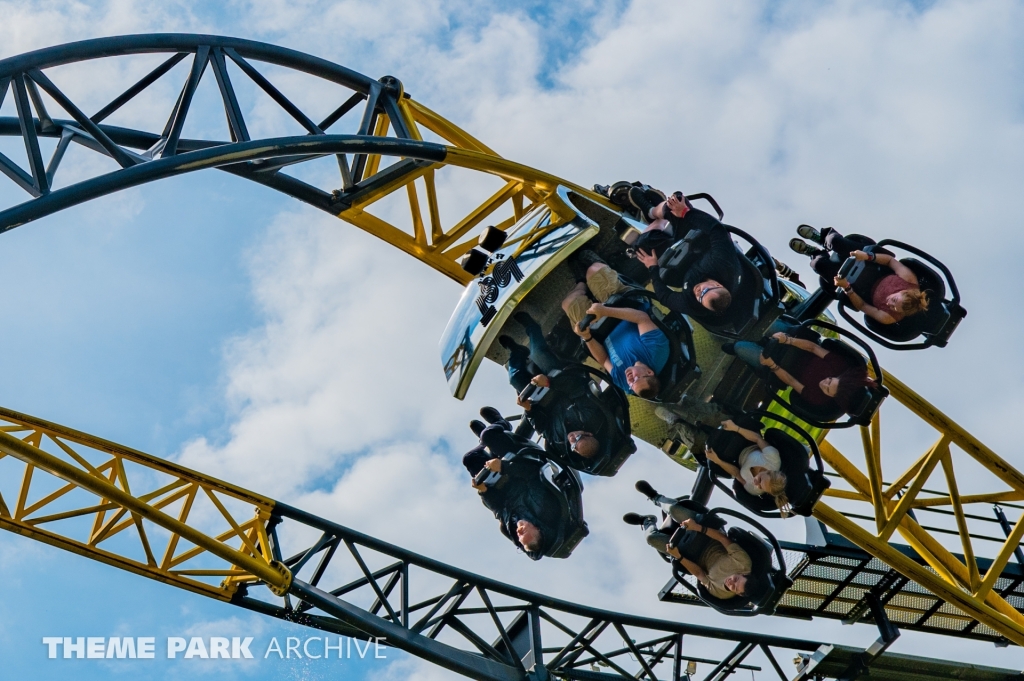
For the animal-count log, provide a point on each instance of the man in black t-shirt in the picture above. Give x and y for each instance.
(711, 269)
(528, 511)
(577, 425)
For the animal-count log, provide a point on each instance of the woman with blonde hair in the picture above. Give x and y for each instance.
(757, 467)
(888, 299)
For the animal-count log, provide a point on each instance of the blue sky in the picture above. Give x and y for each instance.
(224, 326)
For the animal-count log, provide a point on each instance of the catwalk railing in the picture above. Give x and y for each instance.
(403, 173)
(152, 517)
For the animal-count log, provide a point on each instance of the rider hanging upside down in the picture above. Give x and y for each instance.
(757, 467)
(889, 299)
(717, 562)
(527, 512)
(636, 350)
(711, 268)
(820, 377)
(571, 418)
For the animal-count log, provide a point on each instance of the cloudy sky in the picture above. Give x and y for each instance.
(232, 329)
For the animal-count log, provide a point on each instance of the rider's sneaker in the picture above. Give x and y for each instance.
(646, 489)
(494, 417)
(587, 257)
(808, 232)
(637, 519)
(803, 248)
(645, 200)
(528, 323)
(515, 350)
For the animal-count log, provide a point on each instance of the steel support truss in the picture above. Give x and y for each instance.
(160, 520)
(83, 494)
(385, 160)
(888, 508)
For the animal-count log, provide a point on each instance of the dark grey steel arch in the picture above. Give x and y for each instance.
(144, 156)
(493, 630)
(595, 644)
(238, 159)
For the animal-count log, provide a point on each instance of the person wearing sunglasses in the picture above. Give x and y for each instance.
(574, 421)
(711, 267)
(506, 472)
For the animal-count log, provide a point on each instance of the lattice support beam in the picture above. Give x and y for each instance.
(390, 161)
(470, 624)
(956, 580)
(102, 491)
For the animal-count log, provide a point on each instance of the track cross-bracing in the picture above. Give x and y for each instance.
(152, 517)
(401, 172)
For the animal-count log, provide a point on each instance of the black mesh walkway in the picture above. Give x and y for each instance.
(832, 581)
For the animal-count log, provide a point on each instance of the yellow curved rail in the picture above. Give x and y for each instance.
(134, 511)
(82, 493)
(957, 580)
(424, 235)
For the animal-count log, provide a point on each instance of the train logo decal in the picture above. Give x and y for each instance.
(490, 286)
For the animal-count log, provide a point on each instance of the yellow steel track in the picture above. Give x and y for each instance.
(956, 580)
(425, 236)
(134, 511)
(139, 512)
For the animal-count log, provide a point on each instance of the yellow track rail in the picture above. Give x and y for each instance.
(425, 236)
(84, 494)
(134, 511)
(956, 580)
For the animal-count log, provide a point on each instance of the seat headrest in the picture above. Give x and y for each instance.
(760, 553)
(859, 401)
(790, 449)
(829, 411)
(818, 484)
(927, 278)
(571, 527)
(758, 503)
(777, 586)
(848, 352)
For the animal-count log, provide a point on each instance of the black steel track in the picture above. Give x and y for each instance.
(148, 155)
(352, 584)
(235, 158)
(143, 43)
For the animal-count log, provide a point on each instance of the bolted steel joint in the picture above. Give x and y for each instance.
(286, 575)
(393, 86)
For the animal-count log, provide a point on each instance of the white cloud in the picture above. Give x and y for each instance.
(869, 116)
(33, 25)
(331, 372)
(863, 116)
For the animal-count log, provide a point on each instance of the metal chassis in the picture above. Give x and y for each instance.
(419, 605)
(393, 125)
